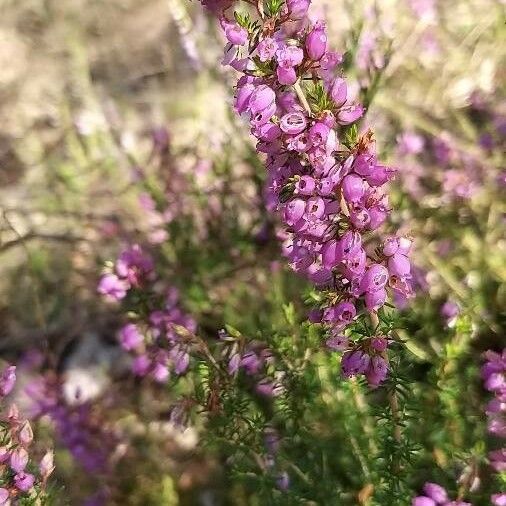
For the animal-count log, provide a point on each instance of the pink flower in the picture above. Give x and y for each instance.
(7, 380)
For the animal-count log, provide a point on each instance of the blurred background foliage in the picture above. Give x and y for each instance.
(113, 113)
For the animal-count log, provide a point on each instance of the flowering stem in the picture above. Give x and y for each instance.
(392, 398)
(394, 406)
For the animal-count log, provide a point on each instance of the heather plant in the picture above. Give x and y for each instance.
(293, 320)
(263, 398)
(22, 479)
(454, 184)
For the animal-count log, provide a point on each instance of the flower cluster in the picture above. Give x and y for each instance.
(367, 358)
(330, 194)
(132, 269)
(255, 359)
(435, 494)
(457, 173)
(272, 442)
(157, 338)
(494, 377)
(159, 345)
(460, 178)
(20, 478)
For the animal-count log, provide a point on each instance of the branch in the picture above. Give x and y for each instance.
(45, 237)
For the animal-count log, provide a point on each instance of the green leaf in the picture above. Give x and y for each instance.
(289, 312)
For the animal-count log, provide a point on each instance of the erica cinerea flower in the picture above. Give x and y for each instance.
(434, 494)
(255, 360)
(133, 268)
(493, 373)
(327, 188)
(156, 341)
(19, 475)
(7, 380)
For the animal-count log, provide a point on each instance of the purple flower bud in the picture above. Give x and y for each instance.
(262, 117)
(243, 96)
(339, 91)
(364, 164)
(354, 263)
(330, 60)
(24, 481)
(344, 312)
(499, 499)
(326, 187)
(4, 495)
(422, 501)
(379, 343)
(267, 49)
(399, 265)
(390, 246)
(271, 440)
(268, 132)
(293, 123)
(160, 372)
(25, 434)
(328, 119)
(113, 287)
(297, 9)
(286, 75)
(316, 42)
(305, 185)
(377, 216)
(19, 459)
(353, 188)
(349, 114)
(331, 254)
(233, 363)
(283, 481)
(289, 56)
(337, 343)
(129, 337)
(315, 208)
(449, 310)
(350, 241)
(7, 380)
(377, 371)
(494, 406)
(404, 245)
(235, 34)
(294, 210)
(375, 278)
(266, 388)
(181, 359)
(495, 382)
(261, 98)
(354, 362)
(134, 264)
(251, 362)
(359, 217)
(288, 101)
(318, 134)
(141, 365)
(380, 175)
(315, 315)
(318, 275)
(435, 492)
(374, 300)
